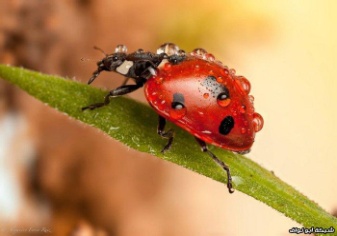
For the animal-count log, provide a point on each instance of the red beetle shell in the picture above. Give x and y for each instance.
(198, 83)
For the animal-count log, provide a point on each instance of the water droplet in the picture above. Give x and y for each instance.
(226, 71)
(242, 109)
(219, 62)
(243, 130)
(251, 99)
(178, 113)
(197, 67)
(199, 52)
(257, 122)
(159, 80)
(210, 57)
(232, 71)
(224, 103)
(181, 53)
(121, 49)
(243, 83)
(168, 48)
(219, 79)
(205, 95)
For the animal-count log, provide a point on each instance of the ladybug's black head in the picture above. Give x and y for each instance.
(110, 62)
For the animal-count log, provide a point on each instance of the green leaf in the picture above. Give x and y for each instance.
(134, 124)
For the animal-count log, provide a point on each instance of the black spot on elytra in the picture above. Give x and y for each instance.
(178, 101)
(226, 125)
(223, 95)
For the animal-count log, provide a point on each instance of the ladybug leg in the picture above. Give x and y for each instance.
(219, 162)
(165, 134)
(125, 81)
(124, 89)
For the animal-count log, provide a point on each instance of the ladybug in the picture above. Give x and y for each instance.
(193, 91)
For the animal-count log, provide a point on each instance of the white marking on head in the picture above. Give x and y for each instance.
(125, 67)
(162, 63)
(152, 71)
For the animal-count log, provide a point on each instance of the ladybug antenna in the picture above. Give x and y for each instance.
(86, 59)
(101, 50)
(100, 66)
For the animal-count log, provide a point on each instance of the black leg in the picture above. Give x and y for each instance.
(165, 134)
(124, 89)
(219, 162)
(94, 75)
(125, 81)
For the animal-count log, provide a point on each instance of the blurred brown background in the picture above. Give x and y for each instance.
(60, 177)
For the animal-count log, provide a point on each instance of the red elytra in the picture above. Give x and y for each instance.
(199, 82)
(194, 91)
